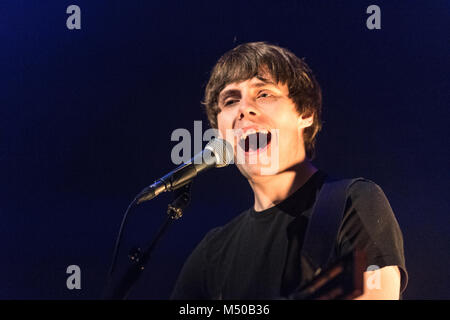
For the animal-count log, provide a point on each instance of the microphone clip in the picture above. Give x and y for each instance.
(182, 199)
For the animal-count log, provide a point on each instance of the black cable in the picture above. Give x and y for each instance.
(140, 259)
(117, 245)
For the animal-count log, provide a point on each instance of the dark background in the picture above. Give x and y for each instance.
(86, 118)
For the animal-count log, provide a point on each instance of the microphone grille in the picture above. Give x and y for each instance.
(222, 150)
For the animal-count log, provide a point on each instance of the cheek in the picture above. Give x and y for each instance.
(225, 119)
(289, 140)
(221, 123)
(289, 129)
(224, 125)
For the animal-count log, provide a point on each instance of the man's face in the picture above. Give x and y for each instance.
(257, 111)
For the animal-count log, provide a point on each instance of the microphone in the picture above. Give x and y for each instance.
(217, 153)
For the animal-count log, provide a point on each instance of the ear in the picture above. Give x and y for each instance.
(304, 122)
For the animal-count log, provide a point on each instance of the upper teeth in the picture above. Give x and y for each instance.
(252, 131)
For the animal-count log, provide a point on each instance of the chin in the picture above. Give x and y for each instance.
(257, 170)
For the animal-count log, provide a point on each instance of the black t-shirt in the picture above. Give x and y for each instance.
(257, 254)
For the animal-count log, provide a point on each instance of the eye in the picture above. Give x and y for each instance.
(264, 94)
(230, 102)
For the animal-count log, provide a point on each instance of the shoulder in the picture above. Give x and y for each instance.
(363, 197)
(367, 199)
(359, 189)
(369, 223)
(367, 206)
(362, 188)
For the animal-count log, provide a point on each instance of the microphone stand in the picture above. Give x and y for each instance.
(139, 258)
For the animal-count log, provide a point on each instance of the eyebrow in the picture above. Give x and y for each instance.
(264, 81)
(228, 93)
(235, 92)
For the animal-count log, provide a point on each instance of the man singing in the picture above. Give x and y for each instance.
(272, 102)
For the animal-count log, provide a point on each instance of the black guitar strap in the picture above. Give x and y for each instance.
(323, 227)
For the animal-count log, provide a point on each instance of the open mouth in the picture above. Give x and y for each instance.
(255, 141)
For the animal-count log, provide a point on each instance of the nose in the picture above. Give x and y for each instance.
(247, 109)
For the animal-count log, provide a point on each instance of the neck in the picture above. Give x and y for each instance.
(271, 190)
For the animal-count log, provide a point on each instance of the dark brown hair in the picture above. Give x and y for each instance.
(249, 60)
